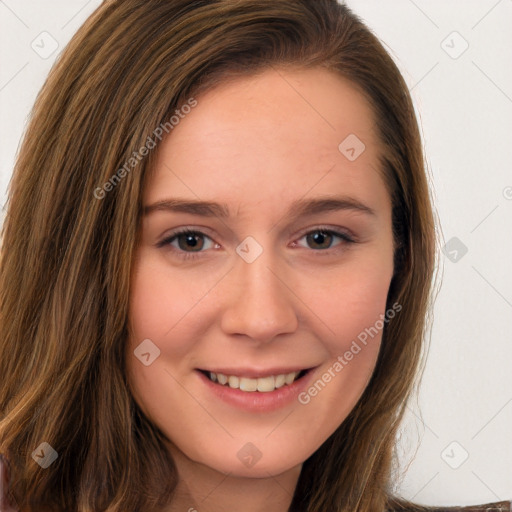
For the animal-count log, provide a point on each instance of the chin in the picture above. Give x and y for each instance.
(261, 469)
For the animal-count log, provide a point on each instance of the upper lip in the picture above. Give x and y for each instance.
(255, 373)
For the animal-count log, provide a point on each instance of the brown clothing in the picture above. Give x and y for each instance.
(498, 506)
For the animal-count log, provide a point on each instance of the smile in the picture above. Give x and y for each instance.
(261, 384)
(255, 390)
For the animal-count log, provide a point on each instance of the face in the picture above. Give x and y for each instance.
(283, 273)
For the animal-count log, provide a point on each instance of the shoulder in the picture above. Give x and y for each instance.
(400, 505)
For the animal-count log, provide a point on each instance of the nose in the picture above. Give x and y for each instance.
(260, 303)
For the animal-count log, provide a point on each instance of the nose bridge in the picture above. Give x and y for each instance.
(262, 276)
(261, 304)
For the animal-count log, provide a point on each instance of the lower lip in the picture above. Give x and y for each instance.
(257, 401)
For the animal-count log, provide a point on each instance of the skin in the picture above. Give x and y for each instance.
(257, 144)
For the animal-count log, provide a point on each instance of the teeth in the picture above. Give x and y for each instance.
(263, 384)
(280, 381)
(266, 384)
(248, 384)
(234, 382)
(290, 377)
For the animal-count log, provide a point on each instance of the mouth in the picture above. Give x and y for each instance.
(256, 390)
(265, 384)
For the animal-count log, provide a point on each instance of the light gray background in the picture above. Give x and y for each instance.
(464, 101)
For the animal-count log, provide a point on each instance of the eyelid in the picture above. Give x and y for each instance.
(166, 240)
(203, 230)
(336, 230)
(347, 237)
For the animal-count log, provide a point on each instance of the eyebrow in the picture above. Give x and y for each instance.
(299, 208)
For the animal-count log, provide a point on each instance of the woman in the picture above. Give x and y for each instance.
(173, 338)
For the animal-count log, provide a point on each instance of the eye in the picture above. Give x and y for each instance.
(323, 238)
(189, 244)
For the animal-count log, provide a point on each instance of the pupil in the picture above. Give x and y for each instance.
(320, 238)
(191, 242)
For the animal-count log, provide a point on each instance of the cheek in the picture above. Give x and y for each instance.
(162, 304)
(159, 305)
(354, 313)
(351, 306)
(157, 314)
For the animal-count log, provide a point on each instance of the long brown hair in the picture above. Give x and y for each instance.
(68, 242)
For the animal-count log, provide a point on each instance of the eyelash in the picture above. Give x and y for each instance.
(194, 255)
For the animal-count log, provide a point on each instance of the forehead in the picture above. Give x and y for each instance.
(278, 134)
